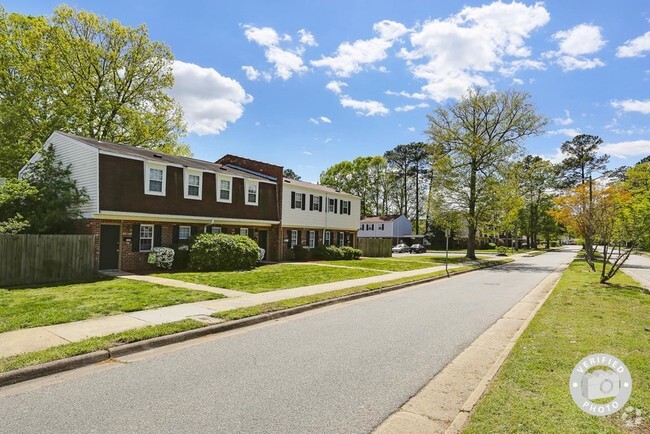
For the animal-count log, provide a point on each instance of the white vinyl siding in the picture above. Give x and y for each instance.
(184, 232)
(318, 220)
(224, 189)
(193, 182)
(146, 238)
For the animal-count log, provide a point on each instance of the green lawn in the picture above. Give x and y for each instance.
(272, 277)
(47, 305)
(581, 317)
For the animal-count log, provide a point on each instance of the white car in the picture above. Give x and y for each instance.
(401, 248)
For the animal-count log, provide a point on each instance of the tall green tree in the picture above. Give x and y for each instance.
(399, 160)
(84, 74)
(582, 159)
(290, 174)
(474, 140)
(536, 178)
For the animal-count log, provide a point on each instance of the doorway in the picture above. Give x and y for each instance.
(109, 247)
(262, 241)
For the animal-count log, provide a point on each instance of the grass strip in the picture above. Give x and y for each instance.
(95, 344)
(259, 309)
(581, 317)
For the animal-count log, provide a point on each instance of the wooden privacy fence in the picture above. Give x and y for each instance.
(376, 247)
(28, 259)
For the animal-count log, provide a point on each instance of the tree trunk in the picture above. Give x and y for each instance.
(471, 240)
(589, 252)
(417, 201)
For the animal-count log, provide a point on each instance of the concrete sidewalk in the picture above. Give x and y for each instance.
(40, 338)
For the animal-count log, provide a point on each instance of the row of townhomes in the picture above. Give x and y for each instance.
(140, 199)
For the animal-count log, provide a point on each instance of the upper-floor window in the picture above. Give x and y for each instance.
(345, 207)
(315, 202)
(224, 192)
(146, 238)
(331, 205)
(184, 232)
(154, 179)
(361, 228)
(193, 185)
(252, 188)
(298, 201)
(381, 227)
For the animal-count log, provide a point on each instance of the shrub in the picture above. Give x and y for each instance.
(181, 256)
(555, 243)
(161, 257)
(351, 252)
(327, 253)
(501, 250)
(221, 252)
(491, 246)
(300, 253)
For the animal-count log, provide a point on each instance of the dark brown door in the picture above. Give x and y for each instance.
(109, 247)
(262, 241)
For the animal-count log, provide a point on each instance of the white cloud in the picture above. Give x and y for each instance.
(555, 158)
(564, 121)
(627, 149)
(633, 105)
(569, 132)
(306, 38)
(285, 62)
(390, 30)
(409, 107)
(336, 86)
(517, 81)
(574, 44)
(209, 100)
(411, 129)
(306, 152)
(457, 51)
(314, 121)
(325, 120)
(635, 47)
(517, 65)
(253, 74)
(365, 108)
(415, 95)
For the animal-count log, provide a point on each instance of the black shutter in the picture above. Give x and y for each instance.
(135, 237)
(293, 199)
(175, 234)
(289, 239)
(349, 207)
(157, 235)
(315, 238)
(299, 237)
(336, 202)
(311, 202)
(320, 203)
(304, 197)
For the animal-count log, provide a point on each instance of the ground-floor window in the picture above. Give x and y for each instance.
(327, 240)
(294, 238)
(341, 239)
(146, 238)
(312, 239)
(184, 232)
(243, 231)
(216, 230)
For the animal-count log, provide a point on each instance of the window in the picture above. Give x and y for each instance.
(154, 179)
(327, 238)
(298, 202)
(193, 184)
(146, 238)
(224, 194)
(381, 227)
(312, 239)
(243, 231)
(331, 205)
(216, 230)
(345, 206)
(315, 202)
(294, 238)
(361, 228)
(341, 239)
(184, 232)
(251, 192)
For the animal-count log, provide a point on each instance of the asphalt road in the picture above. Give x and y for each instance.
(339, 369)
(639, 266)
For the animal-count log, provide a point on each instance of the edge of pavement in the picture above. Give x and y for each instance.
(445, 404)
(74, 362)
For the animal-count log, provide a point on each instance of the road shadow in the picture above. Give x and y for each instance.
(522, 268)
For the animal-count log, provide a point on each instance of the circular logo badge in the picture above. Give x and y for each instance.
(601, 378)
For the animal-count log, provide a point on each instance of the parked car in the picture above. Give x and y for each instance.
(401, 248)
(417, 248)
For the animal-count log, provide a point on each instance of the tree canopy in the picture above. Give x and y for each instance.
(290, 174)
(81, 73)
(581, 160)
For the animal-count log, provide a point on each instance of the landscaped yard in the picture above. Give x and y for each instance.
(581, 317)
(272, 277)
(47, 305)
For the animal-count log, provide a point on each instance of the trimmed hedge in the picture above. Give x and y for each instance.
(333, 253)
(221, 252)
(300, 253)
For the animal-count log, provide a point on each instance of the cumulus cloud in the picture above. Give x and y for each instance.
(632, 148)
(365, 108)
(409, 107)
(415, 95)
(636, 47)
(564, 121)
(455, 53)
(253, 74)
(575, 44)
(336, 86)
(633, 105)
(209, 100)
(325, 120)
(390, 30)
(286, 62)
(569, 132)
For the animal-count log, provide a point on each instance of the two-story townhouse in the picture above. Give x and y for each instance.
(387, 226)
(140, 199)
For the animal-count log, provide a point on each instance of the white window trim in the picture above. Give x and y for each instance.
(248, 183)
(243, 231)
(216, 229)
(224, 178)
(312, 239)
(186, 183)
(140, 238)
(294, 238)
(327, 238)
(341, 239)
(189, 232)
(331, 203)
(147, 166)
(347, 206)
(298, 197)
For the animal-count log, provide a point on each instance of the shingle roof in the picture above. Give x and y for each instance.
(381, 218)
(313, 186)
(150, 155)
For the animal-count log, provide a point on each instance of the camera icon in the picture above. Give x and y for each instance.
(600, 384)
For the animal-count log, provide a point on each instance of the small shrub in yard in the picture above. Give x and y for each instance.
(501, 250)
(300, 253)
(351, 252)
(491, 246)
(334, 253)
(221, 252)
(181, 257)
(161, 257)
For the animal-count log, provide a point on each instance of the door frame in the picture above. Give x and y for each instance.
(119, 243)
(266, 247)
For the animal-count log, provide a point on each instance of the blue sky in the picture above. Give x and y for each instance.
(308, 84)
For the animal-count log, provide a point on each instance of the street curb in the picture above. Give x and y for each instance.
(62, 365)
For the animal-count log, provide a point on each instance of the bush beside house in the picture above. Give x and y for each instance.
(220, 252)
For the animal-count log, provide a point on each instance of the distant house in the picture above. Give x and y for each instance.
(388, 226)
